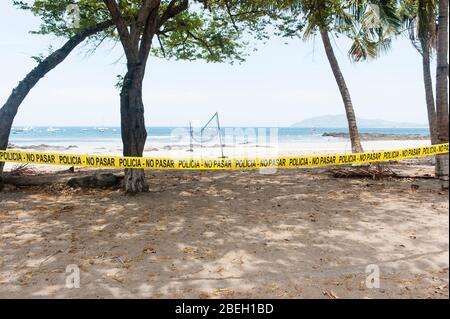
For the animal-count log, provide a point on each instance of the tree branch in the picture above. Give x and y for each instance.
(233, 21)
(150, 28)
(122, 28)
(144, 12)
(172, 11)
(161, 44)
(201, 41)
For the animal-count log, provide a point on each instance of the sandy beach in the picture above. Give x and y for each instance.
(239, 152)
(293, 234)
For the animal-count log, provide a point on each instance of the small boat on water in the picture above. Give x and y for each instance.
(102, 129)
(52, 130)
(22, 129)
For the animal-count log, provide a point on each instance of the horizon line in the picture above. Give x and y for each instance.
(232, 126)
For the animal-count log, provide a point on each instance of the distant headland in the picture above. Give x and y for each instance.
(338, 121)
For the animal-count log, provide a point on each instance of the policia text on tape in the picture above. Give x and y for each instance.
(219, 164)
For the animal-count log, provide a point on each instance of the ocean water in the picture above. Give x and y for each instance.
(175, 141)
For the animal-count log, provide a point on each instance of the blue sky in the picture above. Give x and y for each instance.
(278, 85)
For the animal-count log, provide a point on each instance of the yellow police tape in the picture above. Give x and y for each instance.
(219, 164)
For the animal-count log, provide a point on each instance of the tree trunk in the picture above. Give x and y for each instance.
(350, 112)
(137, 42)
(134, 132)
(442, 162)
(429, 95)
(9, 109)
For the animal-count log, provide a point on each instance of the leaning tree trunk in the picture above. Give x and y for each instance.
(9, 109)
(442, 88)
(350, 112)
(134, 132)
(429, 95)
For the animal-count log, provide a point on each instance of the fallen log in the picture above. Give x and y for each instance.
(34, 180)
(86, 180)
(96, 181)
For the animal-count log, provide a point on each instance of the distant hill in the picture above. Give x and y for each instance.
(338, 121)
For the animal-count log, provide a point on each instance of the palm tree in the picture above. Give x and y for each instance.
(325, 16)
(365, 22)
(442, 88)
(419, 18)
(345, 93)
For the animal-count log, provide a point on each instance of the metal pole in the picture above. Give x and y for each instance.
(220, 135)
(191, 133)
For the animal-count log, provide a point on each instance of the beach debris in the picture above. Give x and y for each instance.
(330, 294)
(374, 171)
(224, 292)
(96, 181)
(149, 250)
(21, 170)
